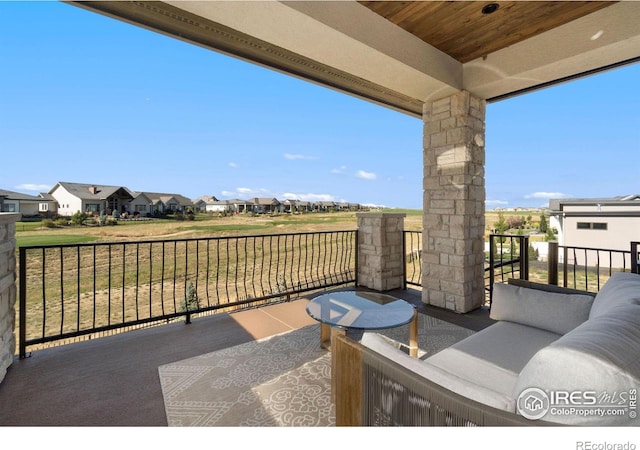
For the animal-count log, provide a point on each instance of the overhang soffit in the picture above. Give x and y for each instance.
(342, 35)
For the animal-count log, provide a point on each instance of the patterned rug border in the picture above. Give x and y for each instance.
(279, 381)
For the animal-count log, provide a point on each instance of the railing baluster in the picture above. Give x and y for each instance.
(246, 269)
(124, 281)
(150, 279)
(61, 289)
(94, 288)
(226, 284)
(162, 278)
(137, 279)
(217, 271)
(78, 288)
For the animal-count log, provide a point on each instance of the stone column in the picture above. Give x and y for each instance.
(380, 250)
(7, 290)
(454, 196)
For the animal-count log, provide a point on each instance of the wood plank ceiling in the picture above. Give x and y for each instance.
(464, 32)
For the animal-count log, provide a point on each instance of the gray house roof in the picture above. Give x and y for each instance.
(93, 191)
(264, 201)
(555, 205)
(10, 195)
(165, 198)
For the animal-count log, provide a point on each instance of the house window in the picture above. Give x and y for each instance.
(592, 225)
(141, 208)
(92, 207)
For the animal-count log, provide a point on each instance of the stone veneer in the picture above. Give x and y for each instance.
(380, 250)
(453, 202)
(7, 290)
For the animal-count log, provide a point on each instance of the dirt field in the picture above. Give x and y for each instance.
(208, 225)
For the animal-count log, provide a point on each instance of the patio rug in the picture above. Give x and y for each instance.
(283, 380)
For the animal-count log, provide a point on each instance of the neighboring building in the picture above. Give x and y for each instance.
(103, 199)
(27, 205)
(141, 204)
(325, 206)
(92, 198)
(261, 205)
(597, 223)
(238, 206)
(167, 203)
(201, 203)
(297, 206)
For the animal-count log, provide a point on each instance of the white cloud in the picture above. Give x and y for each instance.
(246, 193)
(309, 197)
(547, 195)
(292, 156)
(33, 187)
(366, 175)
(233, 165)
(341, 169)
(496, 202)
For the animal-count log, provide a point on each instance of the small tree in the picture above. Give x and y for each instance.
(543, 224)
(78, 218)
(515, 222)
(551, 234)
(191, 302)
(501, 225)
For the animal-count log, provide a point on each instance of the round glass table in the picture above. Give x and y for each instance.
(358, 310)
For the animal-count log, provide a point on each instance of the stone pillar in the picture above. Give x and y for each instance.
(7, 290)
(454, 196)
(380, 250)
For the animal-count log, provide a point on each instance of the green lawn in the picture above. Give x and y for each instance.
(53, 239)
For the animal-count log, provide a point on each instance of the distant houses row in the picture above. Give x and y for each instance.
(65, 199)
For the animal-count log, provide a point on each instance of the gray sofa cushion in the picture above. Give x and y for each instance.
(437, 375)
(490, 359)
(601, 356)
(620, 288)
(558, 313)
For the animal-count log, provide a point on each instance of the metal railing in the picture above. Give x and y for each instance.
(587, 268)
(412, 244)
(84, 290)
(508, 258)
(508, 255)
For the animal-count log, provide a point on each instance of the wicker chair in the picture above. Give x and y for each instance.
(371, 390)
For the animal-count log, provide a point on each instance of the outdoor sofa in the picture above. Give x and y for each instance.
(580, 351)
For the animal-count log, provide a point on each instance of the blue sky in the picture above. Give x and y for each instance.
(85, 98)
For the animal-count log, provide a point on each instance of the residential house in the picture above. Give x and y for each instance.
(92, 198)
(141, 204)
(604, 223)
(325, 206)
(297, 206)
(201, 202)
(27, 205)
(168, 203)
(262, 205)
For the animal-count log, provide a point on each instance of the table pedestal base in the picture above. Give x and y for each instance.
(326, 330)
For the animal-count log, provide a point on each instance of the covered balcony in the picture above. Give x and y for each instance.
(389, 53)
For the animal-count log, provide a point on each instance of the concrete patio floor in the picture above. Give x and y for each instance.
(113, 381)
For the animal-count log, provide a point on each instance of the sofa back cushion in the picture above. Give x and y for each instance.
(621, 288)
(601, 356)
(555, 312)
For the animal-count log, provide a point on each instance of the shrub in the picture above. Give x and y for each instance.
(78, 218)
(48, 223)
